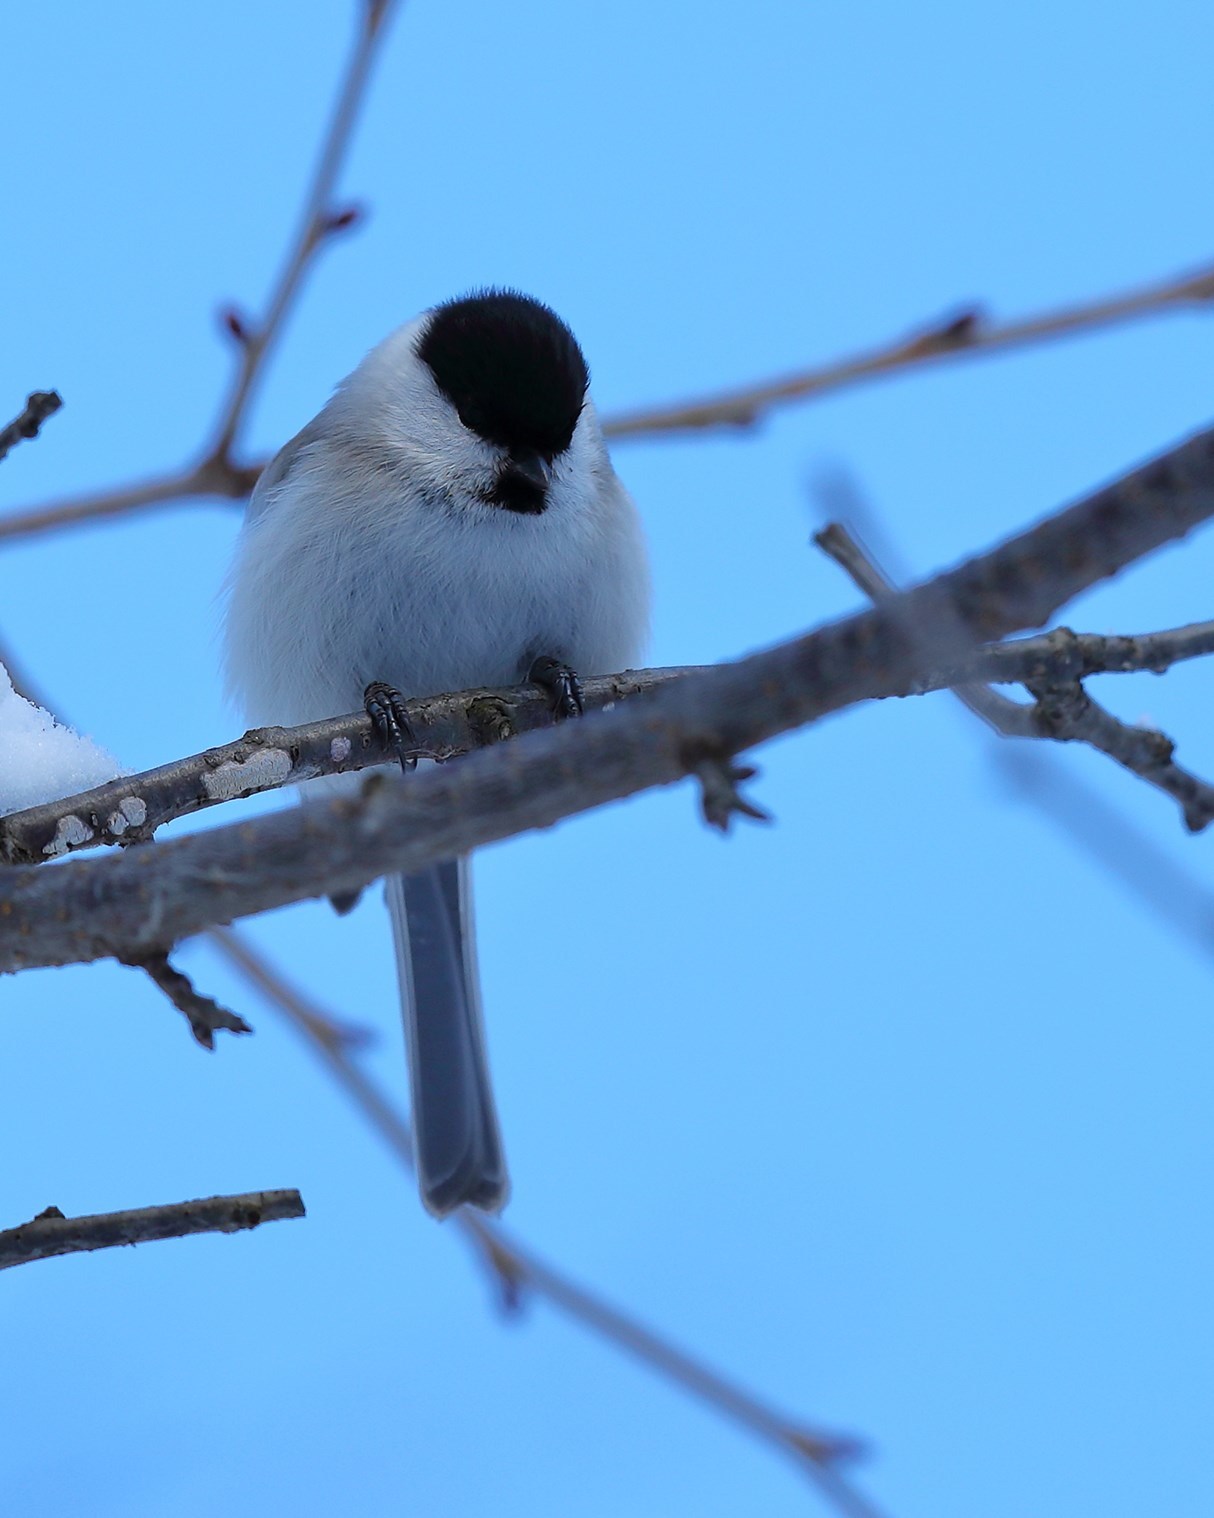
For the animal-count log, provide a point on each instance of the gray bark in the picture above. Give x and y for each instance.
(147, 898)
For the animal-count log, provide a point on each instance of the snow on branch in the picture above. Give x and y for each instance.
(40, 757)
(148, 898)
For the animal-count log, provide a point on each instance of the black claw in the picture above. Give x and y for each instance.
(385, 706)
(563, 687)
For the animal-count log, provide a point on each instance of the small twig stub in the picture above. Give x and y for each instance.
(204, 1015)
(38, 406)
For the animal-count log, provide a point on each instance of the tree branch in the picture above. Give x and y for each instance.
(217, 475)
(146, 899)
(50, 1233)
(318, 221)
(1052, 669)
(964, 336)
(960, 336)
(131, 808)
(38, 406)
(1131, 855)
(194, 482)
(516, 1268)
(513, 1266)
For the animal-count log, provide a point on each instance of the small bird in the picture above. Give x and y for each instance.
(449, 520)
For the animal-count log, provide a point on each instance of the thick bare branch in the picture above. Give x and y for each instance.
(148, 898)
(38, 406)
(132, 808)
(50, 1233)
(965, 335)
(516, 1268)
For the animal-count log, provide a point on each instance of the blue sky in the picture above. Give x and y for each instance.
(897, 1110)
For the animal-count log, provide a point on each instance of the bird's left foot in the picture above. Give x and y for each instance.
(558, 681)
(385, 706)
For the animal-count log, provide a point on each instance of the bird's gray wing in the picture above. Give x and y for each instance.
(282, 463)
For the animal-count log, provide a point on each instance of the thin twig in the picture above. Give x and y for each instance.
(317, 222)
(957, 337)
(38, 406)
(217, 475)
(721, 798)
(515, 1267)
(1062, 709)
(195, 482)
(963, 335)
(50, 1233)
(1174, 895)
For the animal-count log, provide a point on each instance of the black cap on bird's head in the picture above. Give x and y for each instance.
(516, 377)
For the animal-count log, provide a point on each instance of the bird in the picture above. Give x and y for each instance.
(450, 519)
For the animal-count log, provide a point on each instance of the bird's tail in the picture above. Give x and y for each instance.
(455, 1132)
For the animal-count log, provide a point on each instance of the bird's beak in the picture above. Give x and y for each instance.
(530, 468)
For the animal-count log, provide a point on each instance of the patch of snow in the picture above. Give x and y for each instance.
(41, 760)
(339, 750)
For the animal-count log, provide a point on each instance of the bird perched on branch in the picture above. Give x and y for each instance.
(450, 519)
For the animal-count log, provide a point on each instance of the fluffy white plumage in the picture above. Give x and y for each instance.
(368, 554)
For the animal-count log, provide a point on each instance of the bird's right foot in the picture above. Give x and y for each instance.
(385, 706)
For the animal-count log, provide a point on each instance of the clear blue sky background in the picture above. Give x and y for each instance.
(898, 1111)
